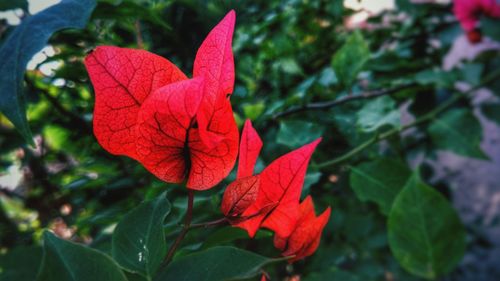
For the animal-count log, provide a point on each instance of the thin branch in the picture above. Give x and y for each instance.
(138, 35)
(333, 103)
(423, 119)
(184, 231)
(220, 221)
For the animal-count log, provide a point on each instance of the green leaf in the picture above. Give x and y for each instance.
(425, 233)
(379, 181)
(458, 131)
(253, 111)
(138, 242)
(215, 264)
(349, 60)
(378, 113)
(492, 112)
(332, 274)
(489, 27)
(68, 261)
(437, 77)
(25, 41)
(13, 4)
(20, 264)
(296, 133)
(230, 234)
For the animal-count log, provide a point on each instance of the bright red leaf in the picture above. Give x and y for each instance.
(250, 146)
(281, 183)
(239, 195)
(123, 79)
(187, 130)
(306, 235)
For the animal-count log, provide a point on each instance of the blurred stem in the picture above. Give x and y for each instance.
(220, 221)
(421, 120)
(138, 35)
(184, 231)
(337, 102)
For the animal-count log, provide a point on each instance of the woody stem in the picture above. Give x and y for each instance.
(185, 228)
(431, 115)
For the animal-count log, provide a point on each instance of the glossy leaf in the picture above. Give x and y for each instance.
(20, 264)
(458, 131)
(379, 181)
(349, 60)
(25, 41)
(68, 261)
(294, 133)
(138, 243)
(425, 232)
(332, 274)
(378, 113)
(215, 264)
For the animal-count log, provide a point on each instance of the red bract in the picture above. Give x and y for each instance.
(178, 128)
(240, 194)
(468, 13)
(280, 184)
(306, 235)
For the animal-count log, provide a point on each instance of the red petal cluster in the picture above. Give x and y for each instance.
(180, 129)
(271, 198)
(306, 236)
(468, 12)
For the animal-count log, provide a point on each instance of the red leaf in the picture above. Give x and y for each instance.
(281, 182)
(239, 195)
(123, 79)
(164, 123)
(214, 61)
(250, 146)
(210, 165)
(306, 236)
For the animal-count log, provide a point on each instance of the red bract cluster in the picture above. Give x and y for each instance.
(271, 199)
(180, 129)
(468, 13)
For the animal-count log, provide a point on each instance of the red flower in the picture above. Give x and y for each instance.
(469, 11)
(270, 199)
(306, 235)
(178, 128)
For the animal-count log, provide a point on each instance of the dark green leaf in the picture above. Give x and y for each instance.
(13, 4)
(25, 41)
(297, 133)
(229, 234)
(20, 264)
(138, 243)
(425, 233)
(492, 112)
(350, 59)
(458, 131)
(68, 261)
(378, 113)
(215, 264)
(332, 274)
(379, 181)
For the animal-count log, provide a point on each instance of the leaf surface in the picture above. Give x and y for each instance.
(138, 242)
(425, 233)
(23, 43)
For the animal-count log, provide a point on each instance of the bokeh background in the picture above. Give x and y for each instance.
(283, 55)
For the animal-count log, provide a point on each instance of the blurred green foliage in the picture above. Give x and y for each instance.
(293, 58)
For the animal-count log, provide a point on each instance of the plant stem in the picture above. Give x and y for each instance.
(422, 119)
(220, 221)
(349, 98)
(185, 229)
(138, 34)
